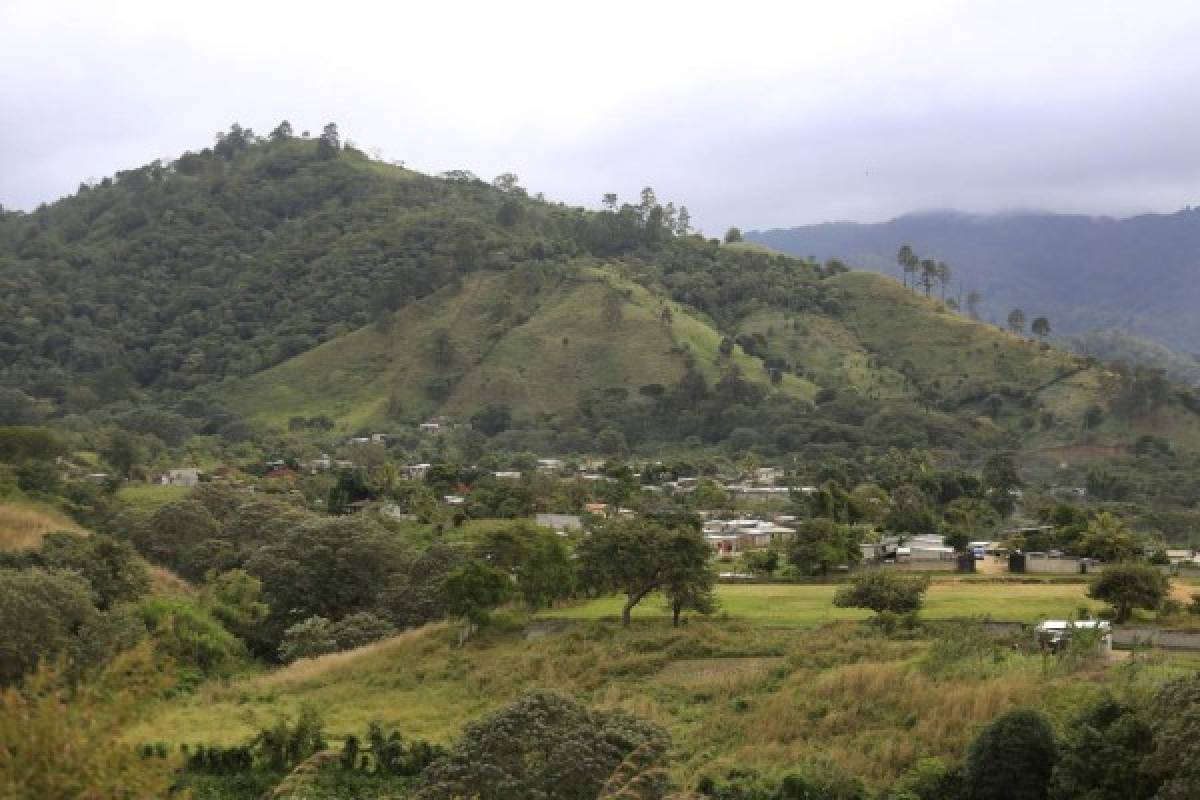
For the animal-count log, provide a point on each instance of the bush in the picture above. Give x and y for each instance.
(308, 639)
(928, 779)
(1012, 758)
(1129, 586)
(1104, 756)
(882, 591)
(190, 634)
(546, 745)
(40, 613)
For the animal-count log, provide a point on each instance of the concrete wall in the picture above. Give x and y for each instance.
(1168, 640)
(1055, 566)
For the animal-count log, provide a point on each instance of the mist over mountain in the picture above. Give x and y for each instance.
(1140, 274)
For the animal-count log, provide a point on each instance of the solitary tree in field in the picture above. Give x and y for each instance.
(884, 592)
(1016, 321)
(733, 235)
(1128, 586)
(610, 201)
(1041, 327)
(639, 558)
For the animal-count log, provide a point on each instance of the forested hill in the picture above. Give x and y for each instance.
(1140, 274)
(290, 284)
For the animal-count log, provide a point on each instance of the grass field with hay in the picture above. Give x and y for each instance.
(22, 525)
(732, 693)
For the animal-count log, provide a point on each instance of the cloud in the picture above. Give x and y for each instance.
(751, 114)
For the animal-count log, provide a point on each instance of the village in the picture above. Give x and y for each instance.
(746, 511)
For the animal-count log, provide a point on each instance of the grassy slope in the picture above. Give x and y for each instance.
(732, 693)
(534, 348)
(23, 524)
(962, 355)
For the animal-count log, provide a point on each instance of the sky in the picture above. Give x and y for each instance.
(752, 114)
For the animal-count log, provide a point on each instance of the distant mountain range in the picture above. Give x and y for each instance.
(1140, 275)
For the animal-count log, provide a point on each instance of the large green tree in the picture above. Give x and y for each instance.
(821, 545)
(1128, 586)
(639, 557)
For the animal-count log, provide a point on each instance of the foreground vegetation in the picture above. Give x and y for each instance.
(732, 694)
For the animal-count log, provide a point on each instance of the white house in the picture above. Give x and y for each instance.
(559, 523)
(415, 472)
(188, 476)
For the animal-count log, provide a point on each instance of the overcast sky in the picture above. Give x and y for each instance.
(754, 114)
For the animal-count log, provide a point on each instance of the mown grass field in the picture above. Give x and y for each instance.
(808, 605)
(731, 692)
(149, 496)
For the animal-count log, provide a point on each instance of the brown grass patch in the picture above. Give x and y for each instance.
(23, 526)
(165, 583)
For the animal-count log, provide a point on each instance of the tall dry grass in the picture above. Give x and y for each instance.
(23, 526)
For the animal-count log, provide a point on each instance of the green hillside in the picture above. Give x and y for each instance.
(262, 281)
(532, 342)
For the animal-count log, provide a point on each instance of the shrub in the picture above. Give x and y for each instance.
(1012, 758)
(1129, 586)
(546, 745)
(928, 779)
(190, 634)
(308, 639)
(40, 613)
(883, 591)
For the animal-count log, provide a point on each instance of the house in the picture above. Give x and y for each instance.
(599, 509)
(188, 476)
(454, 499)
(360, 440)
(550, 464)
(415, 472)
(322, 464)
(767, 476)
(1055, 634)
(736, 535)
(559, 523)
(507, 475)
(928, 547)
(1181, 556)
(761, 493)
(430, 427)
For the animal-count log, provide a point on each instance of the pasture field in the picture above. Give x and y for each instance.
(149, 496)
(812, 604)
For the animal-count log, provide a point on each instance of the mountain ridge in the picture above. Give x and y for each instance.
(1137, 273)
